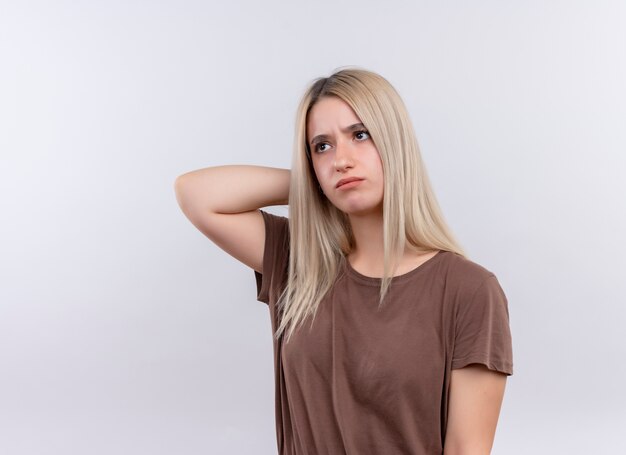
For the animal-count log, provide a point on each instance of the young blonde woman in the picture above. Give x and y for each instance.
(406, 346)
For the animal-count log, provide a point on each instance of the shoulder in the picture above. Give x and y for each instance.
(277, 242)
(272, 218)
(463, 275)
(275, 225)
(476, 298)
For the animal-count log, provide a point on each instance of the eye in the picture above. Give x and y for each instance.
(363, 132)
(317, 147)
(356, 134)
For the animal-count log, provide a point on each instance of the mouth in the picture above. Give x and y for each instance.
(346, 181)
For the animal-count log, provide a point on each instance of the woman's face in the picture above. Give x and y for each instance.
(341, 148)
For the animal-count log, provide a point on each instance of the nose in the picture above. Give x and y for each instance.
(343, 156)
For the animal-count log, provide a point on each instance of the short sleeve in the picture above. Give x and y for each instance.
(275, 255)
(482, 331)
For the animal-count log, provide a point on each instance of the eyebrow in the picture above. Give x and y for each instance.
(347, 129)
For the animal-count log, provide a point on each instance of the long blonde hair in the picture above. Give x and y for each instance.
(320, 234)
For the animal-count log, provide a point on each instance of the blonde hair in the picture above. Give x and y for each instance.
(320, 234)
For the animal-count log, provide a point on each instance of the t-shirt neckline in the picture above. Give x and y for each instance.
(375, 281)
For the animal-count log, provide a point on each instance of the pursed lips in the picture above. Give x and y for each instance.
(348, 180)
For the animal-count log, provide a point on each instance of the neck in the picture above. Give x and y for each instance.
(368, 237)
(368, 254)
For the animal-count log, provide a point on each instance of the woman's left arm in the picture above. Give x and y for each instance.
(475, 400)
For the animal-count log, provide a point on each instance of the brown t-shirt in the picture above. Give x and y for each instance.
(369, 381)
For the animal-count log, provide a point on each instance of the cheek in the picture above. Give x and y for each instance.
(316, 173)
(377, 164)
(315, 168)
(320, 169)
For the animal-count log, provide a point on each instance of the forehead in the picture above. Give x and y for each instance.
(329, 113)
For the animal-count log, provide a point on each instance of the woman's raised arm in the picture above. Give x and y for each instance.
(223, 202)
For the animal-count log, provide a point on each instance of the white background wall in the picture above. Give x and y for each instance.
(123, 330)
